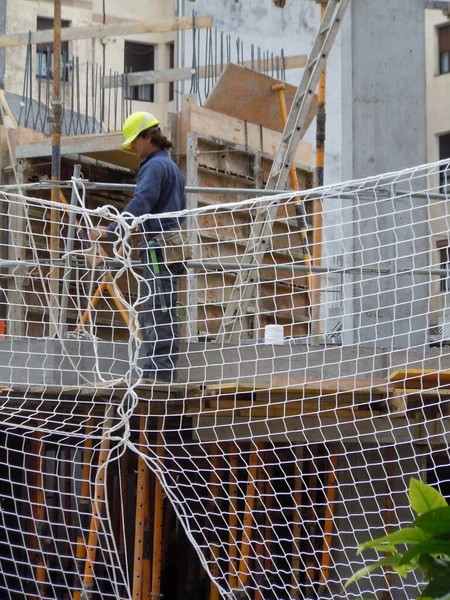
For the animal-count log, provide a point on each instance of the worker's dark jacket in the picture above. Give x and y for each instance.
(159, 189)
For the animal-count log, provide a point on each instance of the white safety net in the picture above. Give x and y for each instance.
(232, 426)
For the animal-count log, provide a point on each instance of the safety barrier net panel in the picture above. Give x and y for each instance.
(312, 378)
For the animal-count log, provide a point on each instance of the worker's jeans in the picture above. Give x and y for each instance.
(158, 319)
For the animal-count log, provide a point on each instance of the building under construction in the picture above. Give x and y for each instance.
(308, 392)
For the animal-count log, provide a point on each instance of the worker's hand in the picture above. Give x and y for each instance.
(98, 233)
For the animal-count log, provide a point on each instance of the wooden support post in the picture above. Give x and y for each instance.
(259, 542)
(316, 329)
(250, 496)
(80, 551)
(215, 544)
(38, 509)
(232, 515)
(269, 503)
(313, 517)
(97, 505)
(329, 517)
(141, 501)
(296, 523)
(158, 521)
(389, 509)
(123, 477)
(147, 560)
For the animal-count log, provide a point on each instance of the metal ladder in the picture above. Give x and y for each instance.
(246, 281)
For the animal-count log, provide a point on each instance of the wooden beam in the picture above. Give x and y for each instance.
(83, 4)
(184, 73)
(102, 31)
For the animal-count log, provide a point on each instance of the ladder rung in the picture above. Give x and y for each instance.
(312, 63)
(287, 135)
(324, 29)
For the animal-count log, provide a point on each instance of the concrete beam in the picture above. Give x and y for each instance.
(102, 31)
(82, 144)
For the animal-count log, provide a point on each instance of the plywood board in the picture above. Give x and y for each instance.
(246, 94)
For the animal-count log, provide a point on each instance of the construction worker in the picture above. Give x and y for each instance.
(160, 188)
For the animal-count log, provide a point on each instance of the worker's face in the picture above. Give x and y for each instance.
(140, 146)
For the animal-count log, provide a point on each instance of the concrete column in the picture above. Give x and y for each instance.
(2, 50)
(385, 130)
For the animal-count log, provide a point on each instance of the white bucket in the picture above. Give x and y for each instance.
(274, 334)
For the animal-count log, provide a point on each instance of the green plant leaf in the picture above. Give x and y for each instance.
(408, 535)
(431, 546)
(423, 497)
(435, 522)
(387, 561)
(433, 567)
(438, 588)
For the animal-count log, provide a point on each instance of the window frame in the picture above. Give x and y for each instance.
(44, 52)
(443, 247)
(144, 92)
(443, 46)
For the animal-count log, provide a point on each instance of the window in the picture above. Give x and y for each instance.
(444, 49)
(444, 174)
(138, 58)
(171, 66)
(44, 52)
(444, 261)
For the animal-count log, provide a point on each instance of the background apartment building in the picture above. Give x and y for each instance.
(24, 70)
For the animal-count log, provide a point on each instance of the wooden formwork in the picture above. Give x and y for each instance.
(217, 150)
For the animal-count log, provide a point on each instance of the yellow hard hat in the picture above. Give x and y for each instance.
(136, 124)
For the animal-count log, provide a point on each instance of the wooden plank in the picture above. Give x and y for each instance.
(337, 386)
(410, 377)
(245, 94)
(102, 31)
(82, 4)
(184, 73)
(205, 122)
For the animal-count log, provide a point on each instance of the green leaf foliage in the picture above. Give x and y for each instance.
(435, 522)
(438, 588)
(432, 566)
(424, 498)
(431, 546)
(387, 543)
(427, 544)
(387, 561)
(446, 597)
